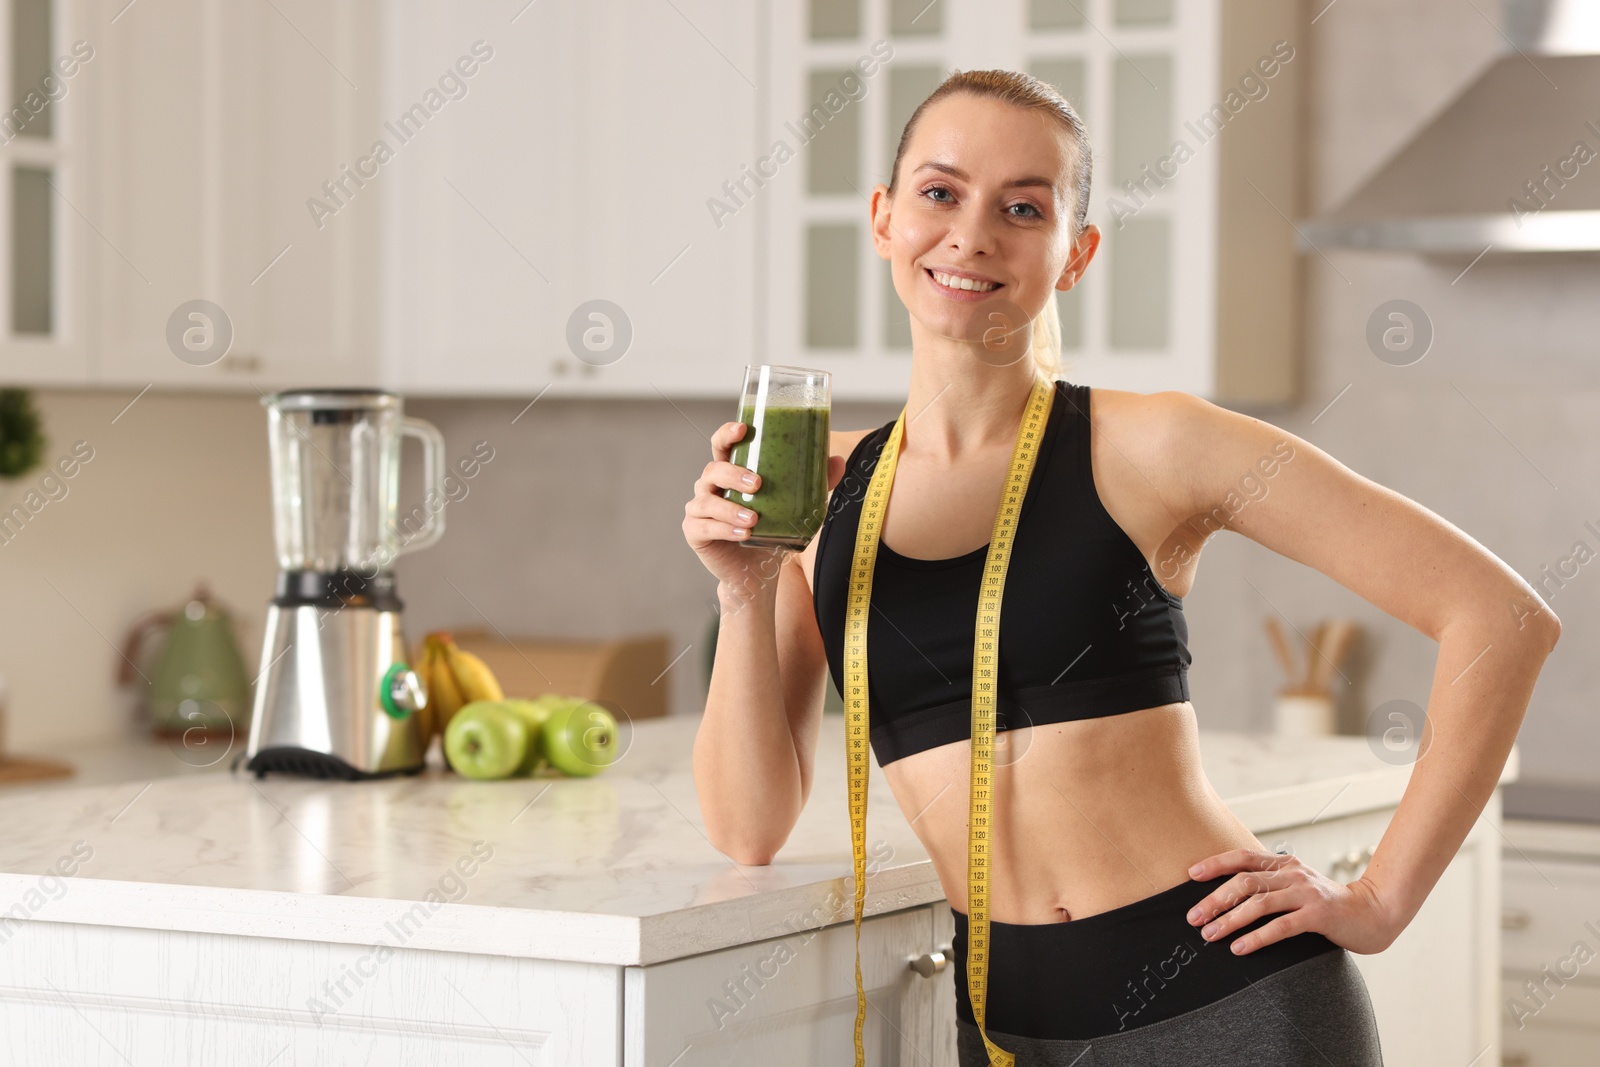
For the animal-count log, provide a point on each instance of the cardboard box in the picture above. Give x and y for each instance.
(19, 768)
(624, 675)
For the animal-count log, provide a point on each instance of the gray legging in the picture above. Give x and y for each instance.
(1315, 1012)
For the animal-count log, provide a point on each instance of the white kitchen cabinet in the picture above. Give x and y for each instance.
(98, 995)
(89, 996)
(414, 195)
(579, 169)
(778, 1001)
(589, 921)
(218, 125)
(631, 154)
(46, 64)
(670, 96)
(792, 1000)
(1550, 1002)
(1453, 1015)
(483, 200)
(1193, 287)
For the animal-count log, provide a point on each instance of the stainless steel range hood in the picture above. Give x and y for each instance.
(1512, 164)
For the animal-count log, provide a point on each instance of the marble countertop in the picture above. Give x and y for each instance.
(122, 759)
(614, 869)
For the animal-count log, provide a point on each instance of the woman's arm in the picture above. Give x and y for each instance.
(756, 745)
(755, 751)
(1231, 471)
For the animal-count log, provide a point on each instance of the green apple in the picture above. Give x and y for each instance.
(533, 713)
(485, 739)
(579, 738)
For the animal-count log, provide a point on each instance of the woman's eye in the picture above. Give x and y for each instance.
(1034, 212)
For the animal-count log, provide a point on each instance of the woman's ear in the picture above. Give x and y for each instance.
(1078, 259)
(880, 220)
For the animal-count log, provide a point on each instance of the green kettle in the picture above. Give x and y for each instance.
(196, 680)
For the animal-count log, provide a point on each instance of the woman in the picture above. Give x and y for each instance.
(1119, 875)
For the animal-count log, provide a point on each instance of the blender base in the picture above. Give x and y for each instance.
(319, 705)
(304, 763)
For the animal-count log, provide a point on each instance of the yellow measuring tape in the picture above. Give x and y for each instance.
(985, 679)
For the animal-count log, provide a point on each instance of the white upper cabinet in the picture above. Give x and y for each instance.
(557, 225)
(1195, 149)
(614, 198)
(46, 64)
(483, 192)
(666, 223)
(220, 126)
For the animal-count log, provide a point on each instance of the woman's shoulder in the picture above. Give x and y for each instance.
(1136, 421)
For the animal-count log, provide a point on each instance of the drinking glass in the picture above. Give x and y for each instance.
(785, 412)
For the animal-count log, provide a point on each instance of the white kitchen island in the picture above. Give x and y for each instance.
(219, 919)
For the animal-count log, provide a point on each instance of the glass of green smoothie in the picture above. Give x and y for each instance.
(785, 412)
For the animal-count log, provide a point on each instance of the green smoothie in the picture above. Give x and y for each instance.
(788, 447)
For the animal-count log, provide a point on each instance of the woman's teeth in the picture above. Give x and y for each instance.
(951, 281)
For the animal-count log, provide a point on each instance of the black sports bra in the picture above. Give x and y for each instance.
(1085, 629)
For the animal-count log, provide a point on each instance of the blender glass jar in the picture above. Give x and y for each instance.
(336, 479)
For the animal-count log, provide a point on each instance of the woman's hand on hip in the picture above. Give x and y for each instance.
(1350, 915)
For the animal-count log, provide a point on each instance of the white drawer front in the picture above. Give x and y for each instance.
(1562, 1031)
(791, 1001)
(1549, 907)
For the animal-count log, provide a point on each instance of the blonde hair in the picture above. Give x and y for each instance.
(1027, 91)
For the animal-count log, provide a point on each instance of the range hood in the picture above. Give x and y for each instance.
(1512, 164)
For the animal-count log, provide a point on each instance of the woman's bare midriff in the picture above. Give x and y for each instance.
(1090, 815)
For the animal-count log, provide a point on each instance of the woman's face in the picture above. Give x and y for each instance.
(984, 188)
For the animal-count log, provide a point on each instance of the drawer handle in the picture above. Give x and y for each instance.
(1515, 918)
(931, 963)
(1352, 863)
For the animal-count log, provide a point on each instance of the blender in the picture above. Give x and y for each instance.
(336, 698)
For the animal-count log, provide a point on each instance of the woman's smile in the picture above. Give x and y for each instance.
(965, 295)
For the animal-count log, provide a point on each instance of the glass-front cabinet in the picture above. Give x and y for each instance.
(1193, 286)
(43, 61)
(712, 178)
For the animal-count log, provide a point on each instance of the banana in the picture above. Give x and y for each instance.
(428, 716)
(443, 693)
(473, 676)
(454, 678)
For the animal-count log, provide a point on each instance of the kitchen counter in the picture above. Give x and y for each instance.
(124, 759)
(614, 869)
(1555, 801)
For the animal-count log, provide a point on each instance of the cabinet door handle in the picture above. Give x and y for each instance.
(1351, 864)
(241, 362)
(1515, 918)
(931, 963)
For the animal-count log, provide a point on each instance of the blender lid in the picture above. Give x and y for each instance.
(331, 400)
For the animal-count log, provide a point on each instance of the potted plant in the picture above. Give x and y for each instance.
(21, 435)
